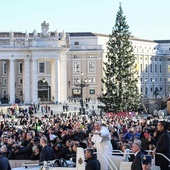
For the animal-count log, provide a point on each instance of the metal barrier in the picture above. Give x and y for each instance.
(80, 164)
(119, 152)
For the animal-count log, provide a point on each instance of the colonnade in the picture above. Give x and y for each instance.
(30, 78)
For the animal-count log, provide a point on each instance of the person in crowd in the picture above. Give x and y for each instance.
(68, 135)
(35, 153)
(10, 143)
(114, 132)
(129, 135)
(146, 140)
(27, 139)
(50, 135)
(68, 149)
(80, 133)
(127, 149)
(47, 152)
(138, 132)
(151, 150)
(75, 146)
(114, 142)
(146, 161)
(92, 163)
(66, 127)
(4, 162)
(18, 152)
(4, 140)
(102, 142)
(4, 150)
(136, 149)
(162, 146)
(58, 151)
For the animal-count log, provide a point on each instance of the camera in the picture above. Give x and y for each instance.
(150, 130)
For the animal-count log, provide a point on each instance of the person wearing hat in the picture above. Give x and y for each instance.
(146, 162)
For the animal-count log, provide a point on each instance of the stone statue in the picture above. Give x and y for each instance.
(56, 34)
(34, 33)
(44, 27)
(11, 35)
(26, 35)
(63, 36)
(67, 40)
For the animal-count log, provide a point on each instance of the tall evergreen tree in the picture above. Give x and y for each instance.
(119, 90)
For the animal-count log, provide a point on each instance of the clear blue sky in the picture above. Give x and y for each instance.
(147, 19)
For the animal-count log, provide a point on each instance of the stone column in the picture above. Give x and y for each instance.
(11, 81)
(63, 78)
(55, 83)
(26, 82)
(34, 83)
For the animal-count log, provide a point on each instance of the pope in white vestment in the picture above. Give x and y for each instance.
(101, 139)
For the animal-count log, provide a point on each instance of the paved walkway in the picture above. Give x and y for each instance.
(57, 108)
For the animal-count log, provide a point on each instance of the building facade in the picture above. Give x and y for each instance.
(33, 66)
(49, 66)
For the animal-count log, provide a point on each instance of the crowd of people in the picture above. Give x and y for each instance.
(55, 136)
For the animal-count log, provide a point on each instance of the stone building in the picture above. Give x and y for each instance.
(50, 66)
(33, 66)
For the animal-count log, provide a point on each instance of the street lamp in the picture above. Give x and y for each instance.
(153, 86)
(82, 84)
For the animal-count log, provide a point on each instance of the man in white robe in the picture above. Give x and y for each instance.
(101, 139)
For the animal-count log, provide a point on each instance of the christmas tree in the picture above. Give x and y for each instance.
(119, 83)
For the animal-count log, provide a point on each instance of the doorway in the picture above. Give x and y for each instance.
(44, 91)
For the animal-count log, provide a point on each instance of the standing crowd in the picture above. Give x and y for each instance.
(56, 136)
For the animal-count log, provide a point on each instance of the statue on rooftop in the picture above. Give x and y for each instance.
(34, 33)
(11, 34)
(63, 36)
(56, 34)
(45, 28)
(26, 35)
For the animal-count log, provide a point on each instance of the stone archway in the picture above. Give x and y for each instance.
(44, 91)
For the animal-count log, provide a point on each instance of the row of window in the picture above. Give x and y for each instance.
(91, 67)
(78, 91)
(76, 65)
(151, 68)
(77, 80)
(19, 68)
(90, 56)
(151, 89)
(4, 92)
(151, 80)
(41, 67)
(20, 81)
